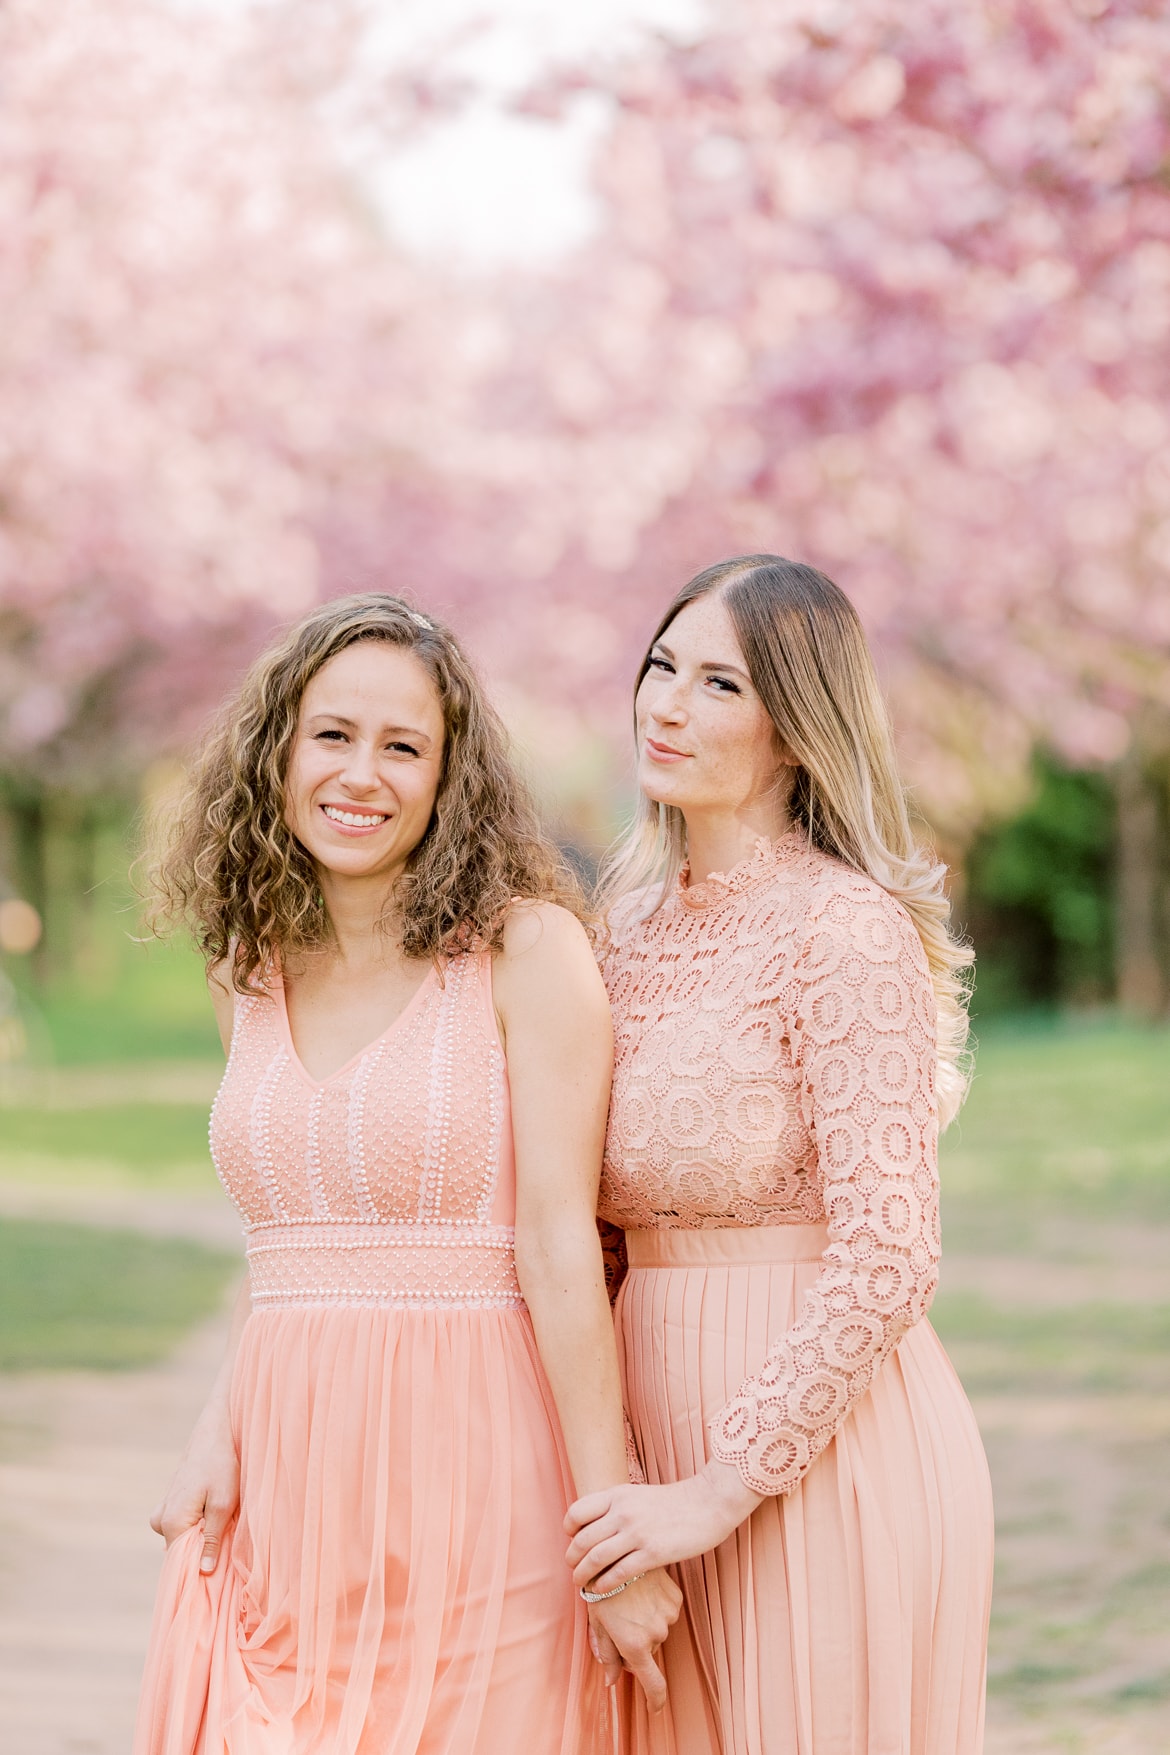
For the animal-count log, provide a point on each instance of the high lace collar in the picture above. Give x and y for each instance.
(757, 868)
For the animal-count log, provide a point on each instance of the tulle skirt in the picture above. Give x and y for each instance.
(848, 1617)
(395, 1583)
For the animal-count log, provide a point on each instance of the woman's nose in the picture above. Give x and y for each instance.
(360, 772)
(668, 707)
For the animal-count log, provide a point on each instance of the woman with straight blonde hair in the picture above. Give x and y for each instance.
(790, 1026)
(365, 1543)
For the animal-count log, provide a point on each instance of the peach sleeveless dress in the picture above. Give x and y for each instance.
(395, 1582)
(772, 1160)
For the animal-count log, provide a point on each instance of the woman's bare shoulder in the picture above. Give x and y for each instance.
(542, 929)
(546, 964)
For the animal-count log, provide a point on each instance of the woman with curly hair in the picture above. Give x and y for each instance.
(789, 1020)
(365, 1543)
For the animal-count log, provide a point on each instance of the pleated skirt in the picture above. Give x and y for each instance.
(848, 1617)
(395, 1583)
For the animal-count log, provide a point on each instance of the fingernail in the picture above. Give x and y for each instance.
(207, 1564)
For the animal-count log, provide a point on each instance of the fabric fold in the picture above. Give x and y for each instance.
(828, 1624)
(413, 1542)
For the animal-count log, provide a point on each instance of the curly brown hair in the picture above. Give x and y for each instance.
(233, 872)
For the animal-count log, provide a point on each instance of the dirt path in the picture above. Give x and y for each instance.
(83, 1457)
(1080, 1485)
(208, 1219)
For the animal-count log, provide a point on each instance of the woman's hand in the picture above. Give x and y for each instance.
(206, 1487)
(626, 1530)
(626, 1631)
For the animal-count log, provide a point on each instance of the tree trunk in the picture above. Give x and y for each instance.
(28, 819)
(1143, 873)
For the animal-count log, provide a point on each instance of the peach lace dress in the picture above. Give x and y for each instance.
(395, 1582)
(772, 1160)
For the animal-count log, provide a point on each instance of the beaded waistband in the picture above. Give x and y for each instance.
(442, 1265)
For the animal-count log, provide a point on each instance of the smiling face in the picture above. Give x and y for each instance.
(705, 740)
(366, 761)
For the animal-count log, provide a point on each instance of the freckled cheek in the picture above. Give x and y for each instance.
(717, 741)
(730, 760)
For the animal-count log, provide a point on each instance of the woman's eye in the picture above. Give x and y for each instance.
(406, 749)
(329, 736)
(661, 664)
(724, 685)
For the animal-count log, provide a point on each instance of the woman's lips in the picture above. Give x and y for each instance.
(662, 752)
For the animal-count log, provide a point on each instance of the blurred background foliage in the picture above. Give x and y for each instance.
(1040, 895)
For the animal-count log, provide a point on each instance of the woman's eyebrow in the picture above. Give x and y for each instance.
(386, 731)
(707, 664)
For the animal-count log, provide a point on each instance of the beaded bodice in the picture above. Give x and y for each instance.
(775, 1064)
(392, 1181)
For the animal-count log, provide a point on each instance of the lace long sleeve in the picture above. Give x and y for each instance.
(863, 1038)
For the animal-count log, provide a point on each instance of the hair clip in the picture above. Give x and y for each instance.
(421, 620)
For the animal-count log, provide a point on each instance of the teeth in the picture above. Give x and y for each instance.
(351, 818)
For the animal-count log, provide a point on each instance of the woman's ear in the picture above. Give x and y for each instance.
(787, 768)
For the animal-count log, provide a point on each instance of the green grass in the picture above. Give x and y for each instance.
(82, 1028)
(1062, 1156)
(75, 1298)
(1076, 1118)
(1065, 1351)
(145, 1140)
(1144, 1689)
(1067, 1125)
(151, 1005)
(1052, 1651)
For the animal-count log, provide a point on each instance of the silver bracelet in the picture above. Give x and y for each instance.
(603, 1596)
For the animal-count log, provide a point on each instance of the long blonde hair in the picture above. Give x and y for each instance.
(233, 872)
(809, 662)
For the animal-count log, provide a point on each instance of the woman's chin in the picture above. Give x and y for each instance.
(352, 862)
(658, 789)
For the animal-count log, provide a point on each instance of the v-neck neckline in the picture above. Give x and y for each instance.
(299, 1065)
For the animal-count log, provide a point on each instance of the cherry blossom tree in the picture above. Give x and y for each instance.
(164, 233)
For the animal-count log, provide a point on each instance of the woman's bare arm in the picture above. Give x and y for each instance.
(558, 1040)
(559, 1046)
